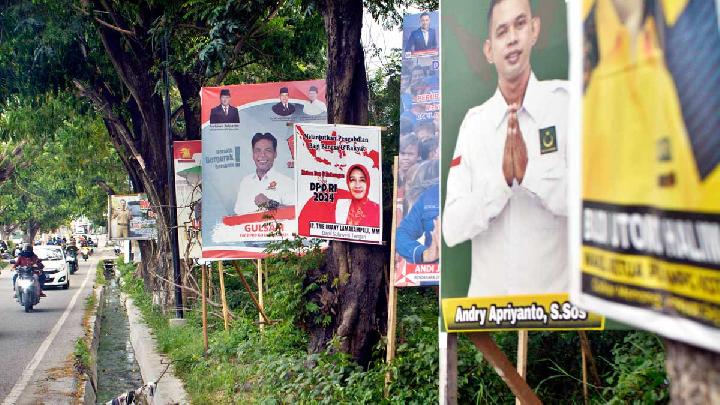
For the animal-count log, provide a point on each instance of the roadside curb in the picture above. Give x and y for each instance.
(92, 332)
(170, 389)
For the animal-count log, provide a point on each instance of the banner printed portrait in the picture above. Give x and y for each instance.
(188, 190)
(417, 236)
(504, 168)
(131, 217)
(248, 176)
(339, 182)
(648, 172)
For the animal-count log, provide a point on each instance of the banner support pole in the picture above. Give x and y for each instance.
(492, 353)
(392, 291)
(522, 351)
(223, 297)
(260, 293)
(203, 269)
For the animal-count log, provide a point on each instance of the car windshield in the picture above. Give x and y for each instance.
(49, 254)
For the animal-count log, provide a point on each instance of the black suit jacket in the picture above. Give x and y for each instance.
(280, 110)
(416, 42)
(217, 115)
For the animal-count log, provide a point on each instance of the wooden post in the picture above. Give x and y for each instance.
(210, 281)
(584, 374)
(203, 269)
(448, 368)
(392, 291)
(492, 353)
(264, 319)
(226, 313)
(522, 357)
(260, 293)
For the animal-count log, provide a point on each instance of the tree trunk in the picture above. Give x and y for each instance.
(694, 374)
(354, 293)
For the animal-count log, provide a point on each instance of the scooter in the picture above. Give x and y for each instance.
(27, 288)
(72, 262)
(84, 250)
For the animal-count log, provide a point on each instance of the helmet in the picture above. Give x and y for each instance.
(27, 247)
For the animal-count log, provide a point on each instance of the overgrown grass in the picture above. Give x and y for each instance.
(247, 366)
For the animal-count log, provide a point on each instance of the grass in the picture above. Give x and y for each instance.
(246, 366)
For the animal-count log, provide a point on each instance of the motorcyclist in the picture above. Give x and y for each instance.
(29, 259)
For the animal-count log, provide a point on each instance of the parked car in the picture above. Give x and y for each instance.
(56, 271)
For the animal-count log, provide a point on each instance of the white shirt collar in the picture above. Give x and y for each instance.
(270, 174)
(532, 103)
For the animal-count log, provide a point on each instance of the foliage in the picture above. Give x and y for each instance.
(68, 154)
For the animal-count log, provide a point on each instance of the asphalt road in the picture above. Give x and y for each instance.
(36, 348)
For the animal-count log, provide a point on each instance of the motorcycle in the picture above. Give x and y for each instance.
(85, 251)
(72, 262)
(27, 288)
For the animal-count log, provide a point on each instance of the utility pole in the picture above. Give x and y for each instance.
(171, 187)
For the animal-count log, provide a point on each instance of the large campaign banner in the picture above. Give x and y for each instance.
(504, 168)
(247, 164)
(417, 208)
(131, 217)
(339, 182)
(188, 190)
(646, 181)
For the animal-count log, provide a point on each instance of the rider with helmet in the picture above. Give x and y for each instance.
(28, 258)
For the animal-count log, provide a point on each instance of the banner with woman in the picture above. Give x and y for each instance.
(339, 189)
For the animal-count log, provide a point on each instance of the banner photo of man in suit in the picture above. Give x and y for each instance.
(417, 209)
(419, 32)
(647, 179)
(505, 107)
(247, 168)
(224, 113)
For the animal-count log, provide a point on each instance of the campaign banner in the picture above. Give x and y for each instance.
(188, 190)
(504, 168)
(339, 182)
(417, 207)
(248, 163)
(131, 217)
(646, 180)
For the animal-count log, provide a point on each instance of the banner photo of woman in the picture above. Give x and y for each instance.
(339, 188)
(417, 208)
(247, 164)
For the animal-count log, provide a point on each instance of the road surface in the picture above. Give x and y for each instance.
(36, 348)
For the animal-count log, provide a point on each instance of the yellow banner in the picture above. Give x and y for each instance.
(648, 272)
(513, 312)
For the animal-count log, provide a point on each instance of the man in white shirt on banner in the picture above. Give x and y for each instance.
(266, 189)
(506, 188)
(314, 106)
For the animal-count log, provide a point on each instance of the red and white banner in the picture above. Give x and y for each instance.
(339, 182)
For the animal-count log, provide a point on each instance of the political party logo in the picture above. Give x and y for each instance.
(548, 140)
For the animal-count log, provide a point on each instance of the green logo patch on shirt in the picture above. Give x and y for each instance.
(548, 140)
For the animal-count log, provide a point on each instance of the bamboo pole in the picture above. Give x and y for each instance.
(492, 353)
(392, 291)
(260, 293)
(522, 352)
(265, 319)
(223, 297)
(203, 269)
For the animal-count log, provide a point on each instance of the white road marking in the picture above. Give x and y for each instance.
(22, 382)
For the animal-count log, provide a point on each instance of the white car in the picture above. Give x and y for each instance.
(56, 271)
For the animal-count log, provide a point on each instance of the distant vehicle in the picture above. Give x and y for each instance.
(56, 271)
